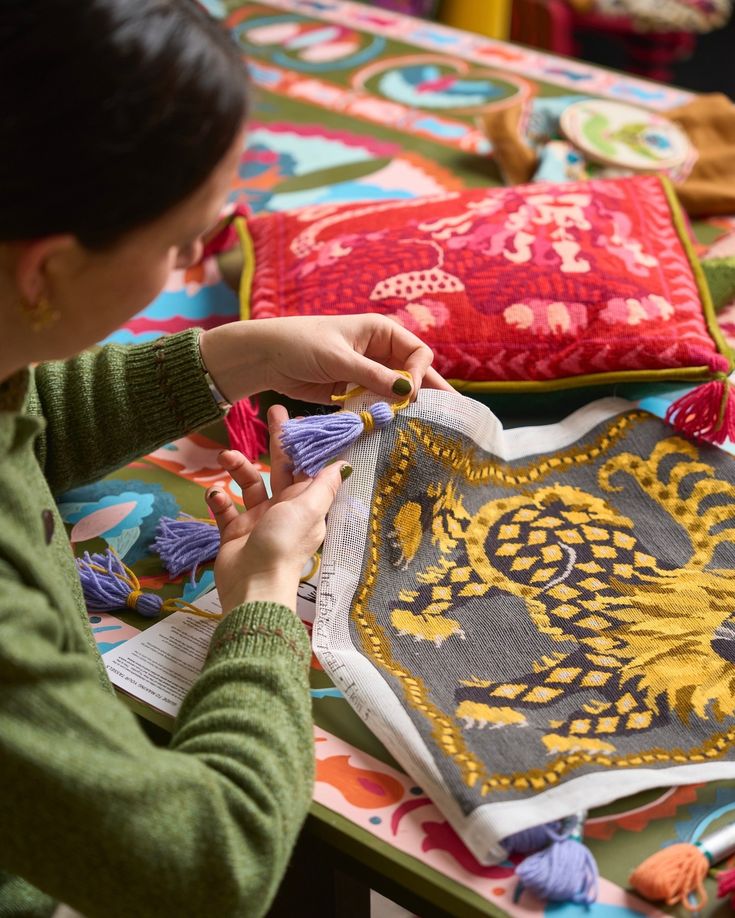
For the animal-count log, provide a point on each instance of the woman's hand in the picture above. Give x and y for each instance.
(265, 547)
(313, 357)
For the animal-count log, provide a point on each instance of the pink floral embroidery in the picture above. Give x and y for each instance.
(544, 318)
(422, 315)
(631, 311)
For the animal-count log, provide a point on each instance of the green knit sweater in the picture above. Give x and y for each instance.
(91, 812)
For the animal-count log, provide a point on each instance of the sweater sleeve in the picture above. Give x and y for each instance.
(98, 817)
(109, 406)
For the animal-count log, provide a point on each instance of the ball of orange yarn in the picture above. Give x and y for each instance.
(672, 875)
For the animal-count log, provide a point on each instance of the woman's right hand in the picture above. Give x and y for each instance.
(265, 547)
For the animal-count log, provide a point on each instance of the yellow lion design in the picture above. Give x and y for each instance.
(640, 639)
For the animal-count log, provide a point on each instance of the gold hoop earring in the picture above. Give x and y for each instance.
(41, 314)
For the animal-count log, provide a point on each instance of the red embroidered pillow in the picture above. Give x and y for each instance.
(530, 287)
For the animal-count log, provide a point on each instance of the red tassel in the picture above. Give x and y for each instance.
(707, 412)
(247, 432)
(726, 885)
(224, 235)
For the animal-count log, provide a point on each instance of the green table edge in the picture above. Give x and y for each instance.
(426, 884)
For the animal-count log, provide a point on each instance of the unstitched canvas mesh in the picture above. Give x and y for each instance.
(534, 621)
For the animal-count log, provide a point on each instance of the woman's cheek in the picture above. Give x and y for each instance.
(157, 278)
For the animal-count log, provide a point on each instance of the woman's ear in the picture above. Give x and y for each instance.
(35, 261)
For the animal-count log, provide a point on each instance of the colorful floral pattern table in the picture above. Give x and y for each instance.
(356, 103)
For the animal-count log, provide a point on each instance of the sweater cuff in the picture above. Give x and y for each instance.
(170, 386)
(265, 629)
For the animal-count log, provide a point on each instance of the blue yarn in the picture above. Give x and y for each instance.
(106, 592)
(183, 544)
(312, 442)
(530, 839)
(565, 871)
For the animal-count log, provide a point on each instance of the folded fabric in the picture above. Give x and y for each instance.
(527, 288)
(534, 621)
(709, 122)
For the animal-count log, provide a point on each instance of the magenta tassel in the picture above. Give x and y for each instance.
(565, 871)
(225, 235)
(311, 442)
(707, 412)
(107, 586)
(185, 543)
(245, 429)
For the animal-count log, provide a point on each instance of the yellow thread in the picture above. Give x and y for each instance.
(132, 601)
(361, 390)
(316, 560)
(169, 605)
(248, 266)
(368, 421)
(181, 605)
(457, 459)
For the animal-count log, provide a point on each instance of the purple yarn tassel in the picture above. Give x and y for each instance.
(312, 442)
(107, 586)
(185, 543)
(529, 840)
(565, 871)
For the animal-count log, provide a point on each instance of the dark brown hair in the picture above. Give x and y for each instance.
(111, 112)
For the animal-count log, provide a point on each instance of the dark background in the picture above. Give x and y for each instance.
(710, 69)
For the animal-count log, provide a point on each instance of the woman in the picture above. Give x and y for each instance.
(121, 125)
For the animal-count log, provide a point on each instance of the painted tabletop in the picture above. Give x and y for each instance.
(355, 103)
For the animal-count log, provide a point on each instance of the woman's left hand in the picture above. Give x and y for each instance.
(312, 358)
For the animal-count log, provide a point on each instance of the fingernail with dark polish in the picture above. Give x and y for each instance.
(345, 472)
(402, 386)
(212, 494)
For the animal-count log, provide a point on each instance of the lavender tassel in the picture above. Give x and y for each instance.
(312, 442)
(185, 543)
(565, 871)
(529, 840)
(110, 586)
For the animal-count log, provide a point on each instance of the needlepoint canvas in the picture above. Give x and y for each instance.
(535, 621)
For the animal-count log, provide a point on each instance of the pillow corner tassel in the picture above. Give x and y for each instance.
(706, 412)
(726, 885)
